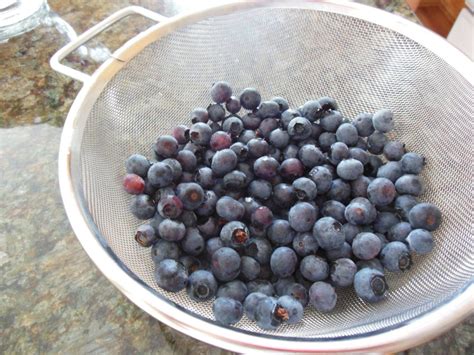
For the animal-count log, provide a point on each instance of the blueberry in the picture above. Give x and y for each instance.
(193, 242)
(326, 139)
(191, 195)
(233, 125)
(213, 244)
(395, 257)
(205, 178)
(284, 195)
(216, 112)
(208, 207)
(281, 285)
(246, 136)
(262, 286)
(133, 184)
(350, 169)
(293, 308)
(383, 120)
(220, 140)
(234, 234)
(202, 286)
(362, 144)
(268, 109)
(316, 131)
(262, 217)
(328, 104)
(331, 121)
(269, 314)
(223, 162)
(394, 150)
(299, 128)
(342, 272)
(425, 216)
(338, 152)
(347, 133)
(305, 244)
(343, 252)
(266, 127)
(282, 103)
(259, 249)
(280, 232)
(404, 203)
(283, 261)
(188, 160)
(250, 205)
(145, 235)
(291, 169)
(249, 268)
(137, 164)
(236, 290)
(328, 233)
(250, 98)
(359, 186)
(225, 264)
(227, 311)
(412, 163)
(200, 133)
(261, 189)
(376, 141)
(312, 110)
(166, 146)
(359, 154)
(340, 191)
(302, 217)
(230, 209)
(170, 207)
(171, 275)
(199, 114)
(298, 292)
(175, 167)
(241, 150)
(372, 166)
(409, 185)
(399, 231)
(322, 178)
(310, 156)
(287, 116)
(363, 124)
(209, 226)
(385, 221)
(235, 180)
(155, 222)
(142, 206)
(305, 189)
(291, 151)
(381, 192)
(164, 249)
(250, 303)
(221, 92)
(314, 268)
(391, 170)
(279, 138)
(366, 246)
(251, 122)
(370, 285)
(172, 231)
(322, 296)
(420, 241)
(350, 231)
(257, 147)
(266, 168)
(371, 264)
(160, 174)
(233, 104)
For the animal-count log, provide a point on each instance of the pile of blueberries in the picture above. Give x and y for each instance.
(278, 208)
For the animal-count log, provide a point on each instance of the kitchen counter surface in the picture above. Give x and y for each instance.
(53, 299)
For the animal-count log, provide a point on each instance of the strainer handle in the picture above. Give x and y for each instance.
(55, 61)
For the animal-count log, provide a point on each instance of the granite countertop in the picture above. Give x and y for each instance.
(53, 299)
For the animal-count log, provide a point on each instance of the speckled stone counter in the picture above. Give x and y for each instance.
(53, 299)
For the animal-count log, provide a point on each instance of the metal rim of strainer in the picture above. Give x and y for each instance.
(402, 336)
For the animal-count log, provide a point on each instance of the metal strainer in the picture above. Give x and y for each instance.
(367, 60)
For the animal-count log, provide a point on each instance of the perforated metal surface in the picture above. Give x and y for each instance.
(298, 54)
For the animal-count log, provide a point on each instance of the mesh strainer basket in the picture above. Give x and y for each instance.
(365, 58)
